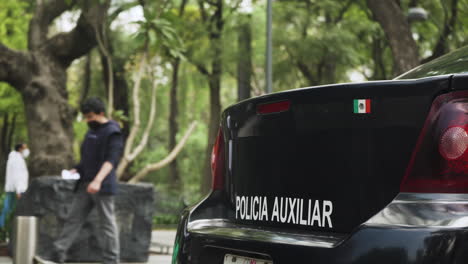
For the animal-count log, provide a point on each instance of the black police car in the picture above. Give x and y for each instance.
(373, 172)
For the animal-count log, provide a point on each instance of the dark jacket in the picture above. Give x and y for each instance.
(101, 145)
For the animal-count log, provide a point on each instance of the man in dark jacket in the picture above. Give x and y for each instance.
(100, 154)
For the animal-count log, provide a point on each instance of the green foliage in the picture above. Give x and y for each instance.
(331, 44)
(10, 99)
(193, 32)
(80, 129)
(13, 33)
(165, 220)
(158, 33)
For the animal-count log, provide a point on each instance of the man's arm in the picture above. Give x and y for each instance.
(115, 147)
(95, 185)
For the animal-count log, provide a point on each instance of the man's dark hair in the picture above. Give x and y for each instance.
(18, 146)
(93, 104)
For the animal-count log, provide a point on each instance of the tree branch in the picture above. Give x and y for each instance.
(86, 78)
(69, 46)
(168, 159)
(202, 10)
(122, 8)
(343, 11)
(149, 125)
(182, 8)
(45, 13)
(303, 68)
(9, 143)
(15, 67)
(202, 69)
(307, 21)
(136, 117)
(441, 47)
(232, 10)
(211, 3)
(4, 136)
(103, 45)
(397, 30)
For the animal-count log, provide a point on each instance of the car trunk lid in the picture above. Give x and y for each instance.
(328, 161)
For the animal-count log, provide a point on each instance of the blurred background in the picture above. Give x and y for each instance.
(167, 68)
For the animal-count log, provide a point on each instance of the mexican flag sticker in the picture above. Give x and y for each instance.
(362, 106)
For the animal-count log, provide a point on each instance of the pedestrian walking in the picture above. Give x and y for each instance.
(16, 180)
(97, 186)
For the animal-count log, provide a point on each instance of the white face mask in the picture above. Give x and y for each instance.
(25, 153)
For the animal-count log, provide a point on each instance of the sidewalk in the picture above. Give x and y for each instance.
(161, 248)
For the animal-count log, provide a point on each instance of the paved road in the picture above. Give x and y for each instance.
(160, 259)
(162, 241)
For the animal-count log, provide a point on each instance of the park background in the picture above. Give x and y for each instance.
(167, 69)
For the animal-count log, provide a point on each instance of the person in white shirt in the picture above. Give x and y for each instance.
(16, 181)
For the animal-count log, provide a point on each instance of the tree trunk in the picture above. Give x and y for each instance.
(215, 110)
(174, 113)
(40, 76)
(4, 135)
(3, 148)
(120, 86)
(378, 46)
(86, 78)
(173, 125)
(306, 72)
(49, 118)
(442, 46)
(328, 75)
(398, 32)
(244, 63)
(214, 25)
(121, 93)
(9, 143)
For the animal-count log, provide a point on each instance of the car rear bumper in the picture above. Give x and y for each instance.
(414, 228)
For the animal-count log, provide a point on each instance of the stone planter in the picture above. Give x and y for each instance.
(50, 198)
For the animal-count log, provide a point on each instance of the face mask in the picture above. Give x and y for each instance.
(25, 153)
(94, 125)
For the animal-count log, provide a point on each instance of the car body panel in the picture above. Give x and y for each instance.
(321, 153)
(406, 231)
(372, 221)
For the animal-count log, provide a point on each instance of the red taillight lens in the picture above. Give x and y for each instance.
(217, 162)
(275, 107)
(439, 163)
(453, 143)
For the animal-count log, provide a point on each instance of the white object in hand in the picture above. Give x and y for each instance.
(67, 175)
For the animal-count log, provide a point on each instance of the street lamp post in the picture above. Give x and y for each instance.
(269, 72)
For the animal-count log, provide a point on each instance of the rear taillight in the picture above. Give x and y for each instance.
(439, 163)
(453, 143)
(218, 162)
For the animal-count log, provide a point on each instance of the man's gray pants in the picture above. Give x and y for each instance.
(83, 202)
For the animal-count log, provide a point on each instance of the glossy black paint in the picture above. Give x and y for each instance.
(372, 245)
(319, 149)
(366, 244)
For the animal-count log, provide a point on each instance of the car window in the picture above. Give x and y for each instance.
(454, 62)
